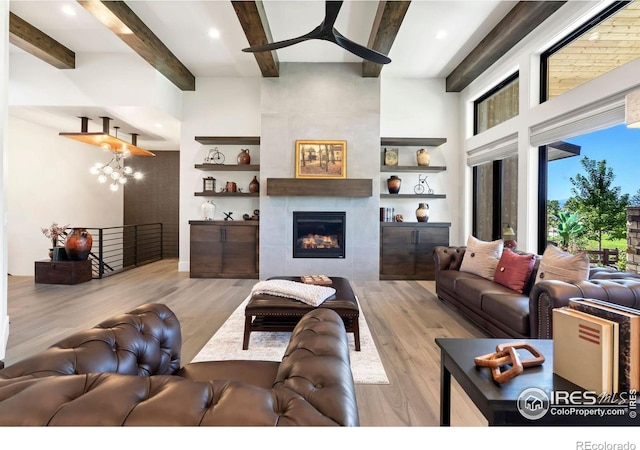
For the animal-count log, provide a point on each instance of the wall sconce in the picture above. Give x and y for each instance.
(509, 237)
(632, 109)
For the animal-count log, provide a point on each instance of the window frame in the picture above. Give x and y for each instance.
(578, 32)
(494, 90)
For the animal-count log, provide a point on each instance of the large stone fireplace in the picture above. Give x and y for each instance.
(320, 102)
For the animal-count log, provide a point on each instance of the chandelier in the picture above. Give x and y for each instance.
(115, 170)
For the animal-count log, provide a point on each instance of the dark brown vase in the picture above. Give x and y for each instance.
(78, 244)
(254, 186)
(244, 157)
(393, 184)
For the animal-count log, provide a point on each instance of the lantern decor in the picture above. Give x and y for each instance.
(509, 237)
(209, 184)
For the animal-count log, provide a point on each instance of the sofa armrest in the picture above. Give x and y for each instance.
(550, 294)
(448, 258)
(316, 370)
(145, 341)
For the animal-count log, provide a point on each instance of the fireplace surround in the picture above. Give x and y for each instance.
(319, 234)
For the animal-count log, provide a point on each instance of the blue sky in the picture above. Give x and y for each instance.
(619, 146)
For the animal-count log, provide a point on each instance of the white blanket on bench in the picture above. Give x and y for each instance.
(308, 293)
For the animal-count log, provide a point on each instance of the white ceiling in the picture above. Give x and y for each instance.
(184, 28)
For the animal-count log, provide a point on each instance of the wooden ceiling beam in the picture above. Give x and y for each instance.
(122, 21)
(386, 25)
(254, 22)
(30, 39)
(518, 23)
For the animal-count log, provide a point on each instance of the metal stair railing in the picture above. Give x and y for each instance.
(120, 248)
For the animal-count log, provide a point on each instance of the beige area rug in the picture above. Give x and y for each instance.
(366, 365)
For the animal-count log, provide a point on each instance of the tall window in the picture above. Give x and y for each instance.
(606, 42)
(497, 105)
(495, 200)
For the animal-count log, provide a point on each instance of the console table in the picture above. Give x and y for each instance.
(63, 272)
(498, 402)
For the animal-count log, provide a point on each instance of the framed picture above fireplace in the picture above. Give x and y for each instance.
(321, 159)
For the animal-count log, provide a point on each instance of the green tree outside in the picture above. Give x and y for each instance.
(600, 205)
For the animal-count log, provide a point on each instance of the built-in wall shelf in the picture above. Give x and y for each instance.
(413, 196)
(292, 187)
(229, 167)
(228, 140)
(404, 142)
(413, 168)
(226, 194)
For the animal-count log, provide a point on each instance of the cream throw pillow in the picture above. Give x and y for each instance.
(557, 264)
(481, 257)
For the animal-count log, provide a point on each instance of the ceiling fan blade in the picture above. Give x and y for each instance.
(277, 45)
(332, 8)
(360, 50)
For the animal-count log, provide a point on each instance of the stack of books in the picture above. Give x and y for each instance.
(596, 345)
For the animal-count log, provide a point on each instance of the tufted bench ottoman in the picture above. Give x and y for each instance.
(271, 313)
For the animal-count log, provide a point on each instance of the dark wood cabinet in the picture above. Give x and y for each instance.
(224, 249)
(63, 272)
(406, 249)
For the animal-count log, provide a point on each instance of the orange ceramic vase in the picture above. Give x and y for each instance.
(78, 244)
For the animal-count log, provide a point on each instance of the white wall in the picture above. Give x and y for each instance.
(219, 107)
(49, 181)
(414, 107)
(4, 87)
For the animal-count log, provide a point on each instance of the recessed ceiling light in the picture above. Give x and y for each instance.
(157, 125)
(68, 10)
(441, 34)
(214, 33)
(594, 36)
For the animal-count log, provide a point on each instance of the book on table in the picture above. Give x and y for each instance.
(585, 350)
(628, 320)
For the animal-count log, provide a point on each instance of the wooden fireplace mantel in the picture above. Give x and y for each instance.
(311, 187)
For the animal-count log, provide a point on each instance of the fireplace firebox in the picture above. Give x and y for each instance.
(318, 234)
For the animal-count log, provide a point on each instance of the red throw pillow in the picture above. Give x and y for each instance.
(514, 270)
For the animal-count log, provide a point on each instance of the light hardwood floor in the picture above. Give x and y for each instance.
(404, 317)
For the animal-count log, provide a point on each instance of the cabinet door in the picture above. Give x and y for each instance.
(206, 251)
(240, 250)
(427, 239)
(397, 250)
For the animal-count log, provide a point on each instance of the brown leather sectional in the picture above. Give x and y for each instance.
(127, 371)
(505, 313)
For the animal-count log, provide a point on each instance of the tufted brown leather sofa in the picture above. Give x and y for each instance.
(126, 371)
(505, 313)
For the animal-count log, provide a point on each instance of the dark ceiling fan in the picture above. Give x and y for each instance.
(326, 32)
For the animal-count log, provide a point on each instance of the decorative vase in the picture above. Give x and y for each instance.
(423, 157)
(393, 184)
(244, 157)
(254, 186)
(207, 210)
(78, 244)
(422, 213)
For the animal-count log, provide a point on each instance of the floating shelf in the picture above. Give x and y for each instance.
(320, 187)
(413, 196)
(427, 142)
(413, 168)
(226, 194)
(229, 167)
(228, 140)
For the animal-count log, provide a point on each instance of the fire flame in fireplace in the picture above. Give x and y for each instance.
(318, 241)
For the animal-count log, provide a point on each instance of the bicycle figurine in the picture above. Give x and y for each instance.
(419, 188)
(214, 157)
